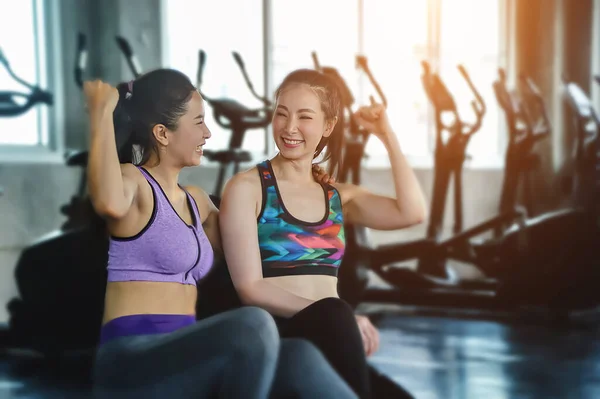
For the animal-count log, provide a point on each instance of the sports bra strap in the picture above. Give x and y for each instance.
(265, 174)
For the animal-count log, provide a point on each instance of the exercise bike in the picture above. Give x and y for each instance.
(232, 115)
(61, 277)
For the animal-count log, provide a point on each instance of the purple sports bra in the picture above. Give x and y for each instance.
(166, 250)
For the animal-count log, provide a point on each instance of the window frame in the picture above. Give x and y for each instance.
(50, 146)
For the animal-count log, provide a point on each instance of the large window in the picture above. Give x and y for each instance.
(470, 35)
(218, 28)
(396, 40)
(399, 35)
(328, 28)
(23, 47)
(395, 35)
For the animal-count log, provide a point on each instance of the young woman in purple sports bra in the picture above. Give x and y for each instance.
(162, 242)
(283, 232)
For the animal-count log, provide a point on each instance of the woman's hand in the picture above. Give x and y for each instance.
(369, 333)
(321, 175)
(101, 97)
(374, 119)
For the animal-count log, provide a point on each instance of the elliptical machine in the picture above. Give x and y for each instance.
(449, 156)
(521, 271)
(232, 115)
(586, 156)
(520, 160)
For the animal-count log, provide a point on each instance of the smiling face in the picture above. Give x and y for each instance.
(299, 122)
(309, 118)
(183, 145)
(186, 142)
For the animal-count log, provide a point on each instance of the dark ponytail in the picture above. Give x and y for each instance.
(157, 97)
(123, 126)
(329, 95)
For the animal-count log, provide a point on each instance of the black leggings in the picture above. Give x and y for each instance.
(330, 325)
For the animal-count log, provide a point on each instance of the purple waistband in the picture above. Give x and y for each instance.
(144, 324)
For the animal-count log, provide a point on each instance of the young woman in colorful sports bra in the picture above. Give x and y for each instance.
(162, 242)
(283, 232)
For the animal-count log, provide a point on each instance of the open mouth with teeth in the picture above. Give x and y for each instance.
(292, 143)
(199, 148)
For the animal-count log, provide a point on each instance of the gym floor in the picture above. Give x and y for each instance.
(433, 357)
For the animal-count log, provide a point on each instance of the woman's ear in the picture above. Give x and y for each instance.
(160, 134)
(329, 125)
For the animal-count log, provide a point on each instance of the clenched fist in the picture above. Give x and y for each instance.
(374, 119)
(100, 97)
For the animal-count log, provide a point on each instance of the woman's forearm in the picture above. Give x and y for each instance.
(409, 195)
(273, 299)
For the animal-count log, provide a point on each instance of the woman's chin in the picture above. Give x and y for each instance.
(294, 153)
(196, 161)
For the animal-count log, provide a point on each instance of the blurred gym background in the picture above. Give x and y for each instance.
(551, 42)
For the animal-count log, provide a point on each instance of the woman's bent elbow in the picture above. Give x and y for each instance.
(108, 210)
(247, 296)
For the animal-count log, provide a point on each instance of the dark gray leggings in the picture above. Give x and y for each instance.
(236, 354)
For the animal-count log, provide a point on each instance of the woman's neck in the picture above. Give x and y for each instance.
(296, 170)
(167, 176)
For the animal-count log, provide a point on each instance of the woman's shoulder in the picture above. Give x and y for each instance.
(347, 191)
(245, 181)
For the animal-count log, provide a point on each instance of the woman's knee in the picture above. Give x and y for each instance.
(306, 370)
(333, 309)
(255, 327)
(300, 352)
(257, 319)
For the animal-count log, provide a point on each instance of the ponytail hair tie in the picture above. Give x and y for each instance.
(129, 90)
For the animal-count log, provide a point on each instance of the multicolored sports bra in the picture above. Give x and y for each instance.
(291, 247)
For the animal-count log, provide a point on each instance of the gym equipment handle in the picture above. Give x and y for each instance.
(316, 60)
(543, 125)
(479, 106)
(200, 73)
(129, 56)
(81, 59)
(238, 60)
(361, 62)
